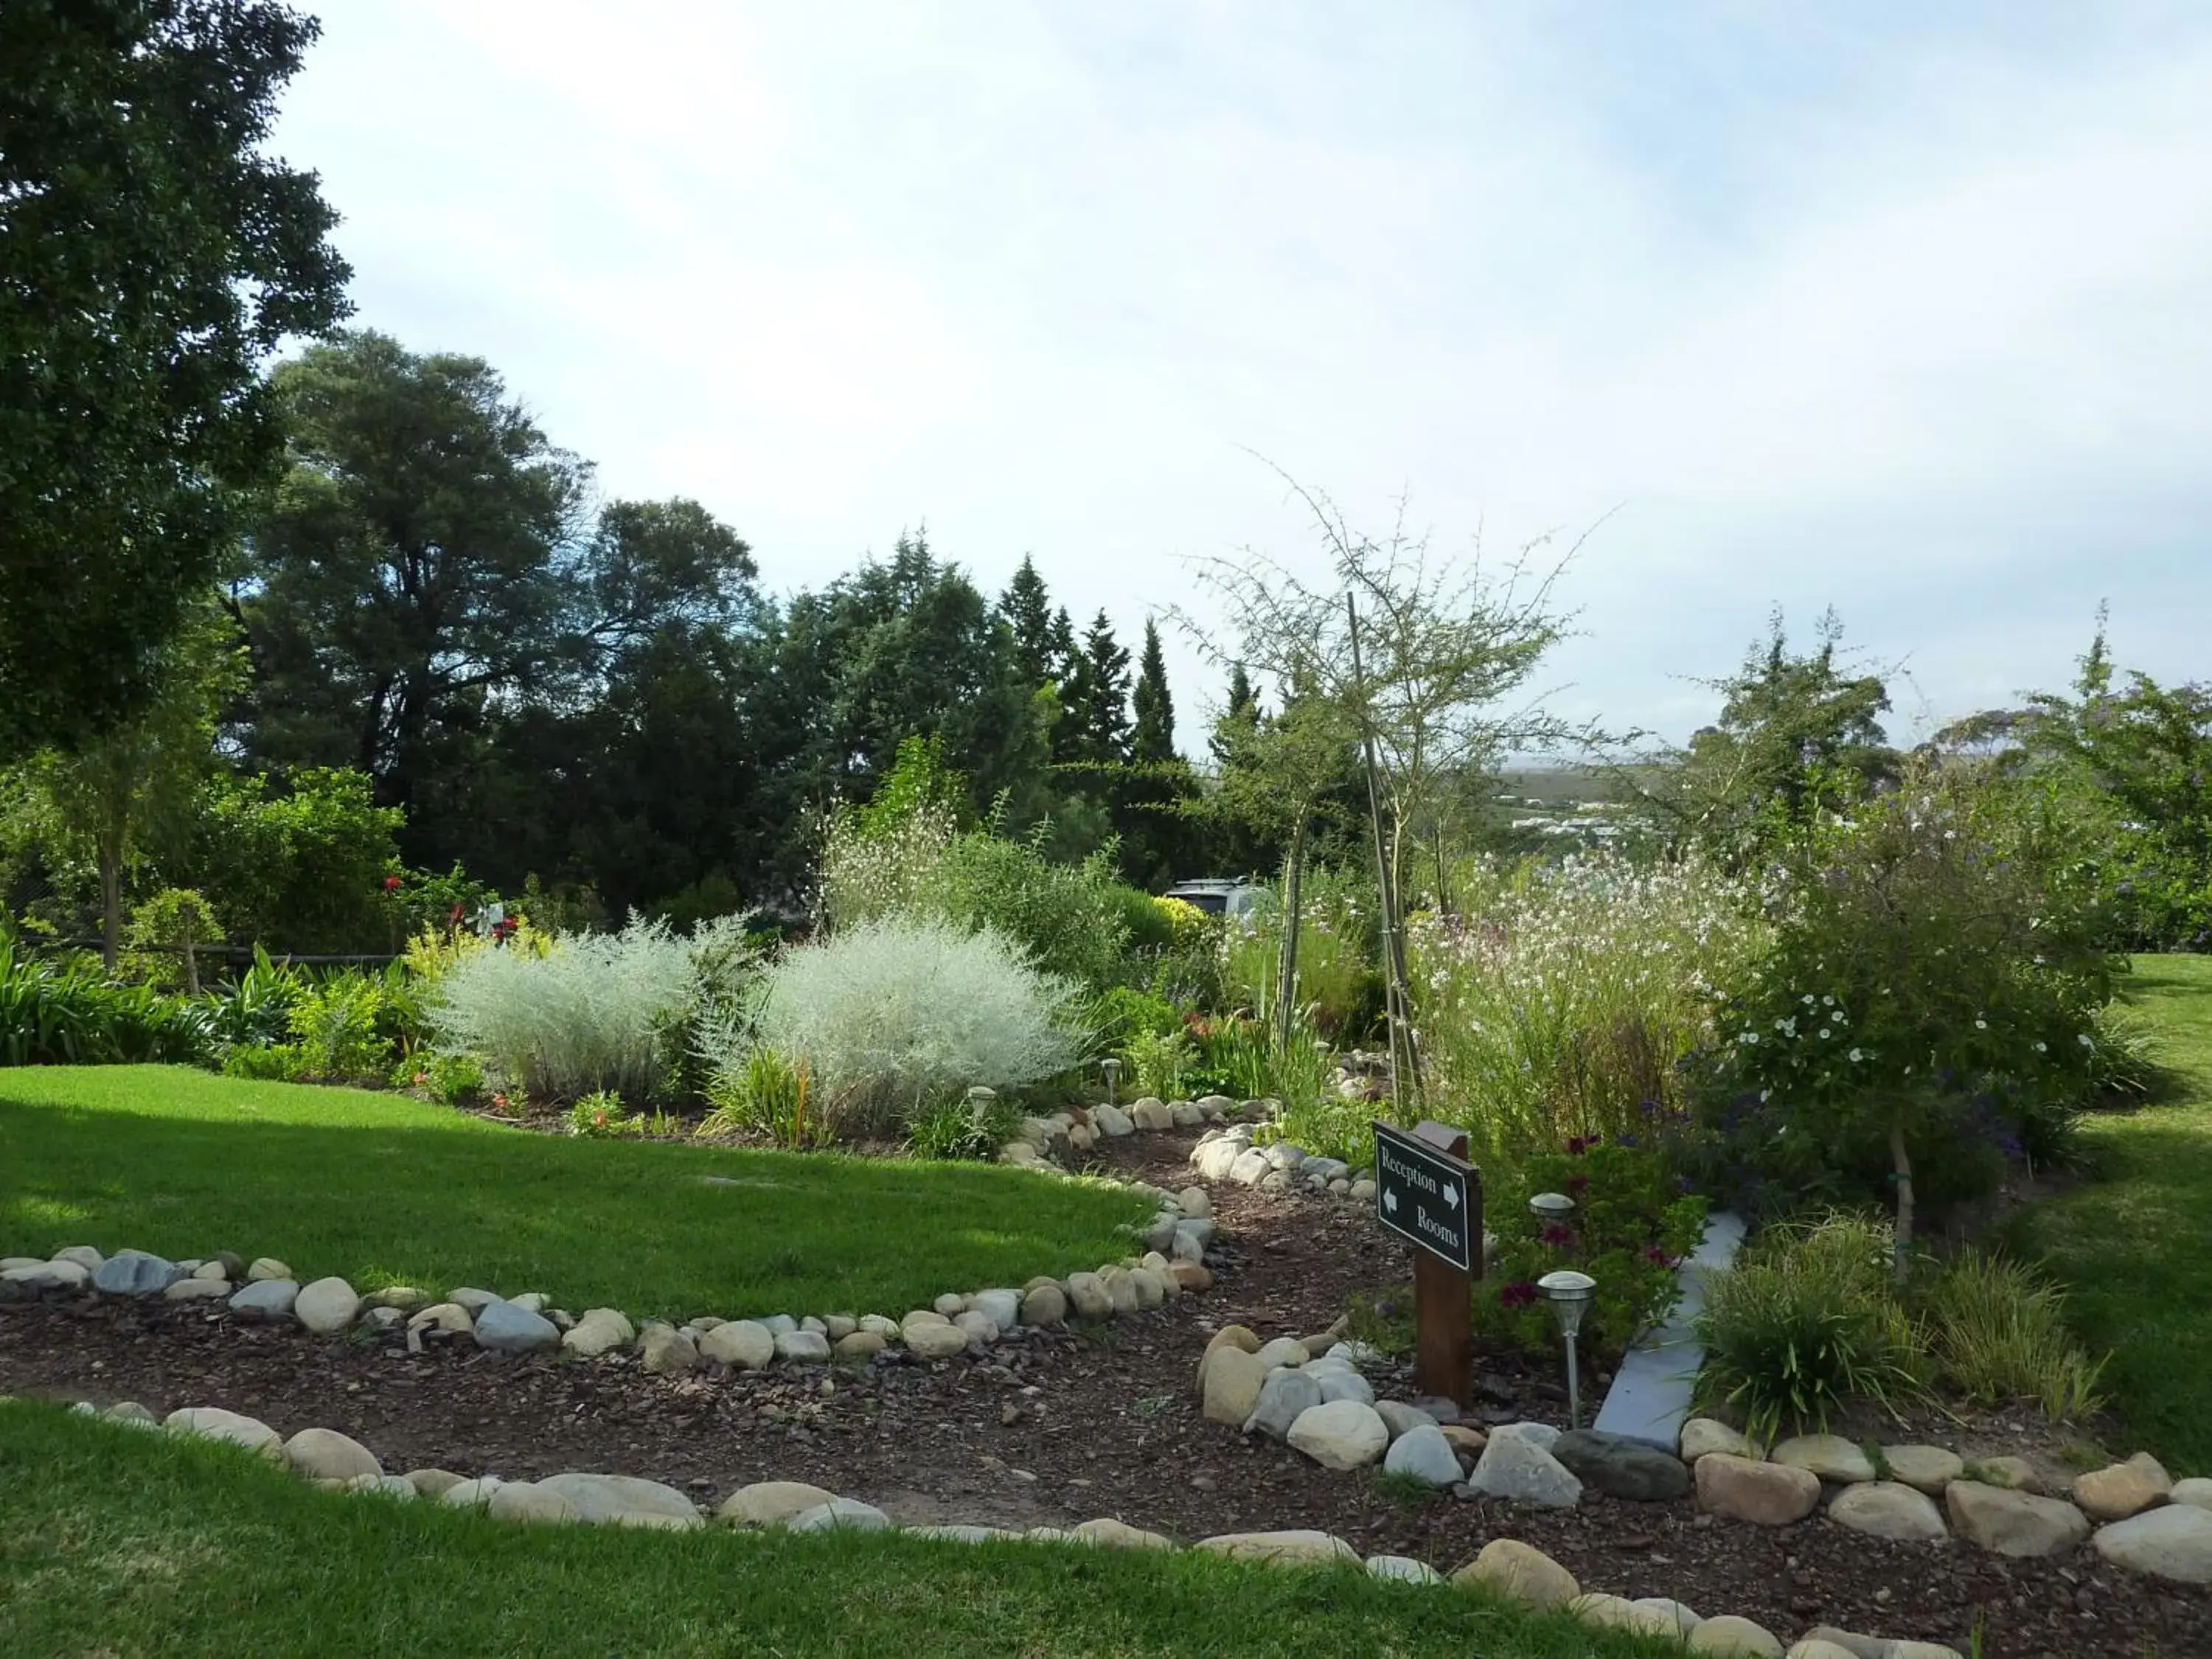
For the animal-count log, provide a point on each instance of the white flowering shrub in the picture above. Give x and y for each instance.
(892, 1016)
(595, 1011)
(1561, 1002)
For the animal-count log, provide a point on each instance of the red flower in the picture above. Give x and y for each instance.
(1520, 1294)
(1577, 1184)
(392, 884)
(1655, 1253)
(455, 915)
(1580, 1144)
(1558, 1236)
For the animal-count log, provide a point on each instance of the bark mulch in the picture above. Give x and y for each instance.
(1057, 1428)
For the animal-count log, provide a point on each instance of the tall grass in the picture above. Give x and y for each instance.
(1337, 987)
(1998, 1333)
(1560, 1002)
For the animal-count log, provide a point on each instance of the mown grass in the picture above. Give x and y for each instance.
(383, 1189)
(2134, 1246)
(127, 1543)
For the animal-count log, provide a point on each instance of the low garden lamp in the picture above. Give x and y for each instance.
(1553, 1207)
(1113, 1069)
(1570, 1293)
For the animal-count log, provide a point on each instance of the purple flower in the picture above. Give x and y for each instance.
(1519, 1294)
(1559, 1236)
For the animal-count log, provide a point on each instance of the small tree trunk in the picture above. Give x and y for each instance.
(111, 904)
(192, 966)
(1293, 914)
(1902, 1162)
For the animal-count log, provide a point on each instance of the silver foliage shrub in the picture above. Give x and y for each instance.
(893, 1014)
(597, 1011)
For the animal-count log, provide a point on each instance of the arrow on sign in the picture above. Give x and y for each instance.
(1451, 1196)
(1390, 1202)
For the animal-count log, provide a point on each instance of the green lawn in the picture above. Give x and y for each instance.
(384, 1190)
(2136, 1246)
(129, 1544)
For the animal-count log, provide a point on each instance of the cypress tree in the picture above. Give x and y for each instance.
(1153, 738)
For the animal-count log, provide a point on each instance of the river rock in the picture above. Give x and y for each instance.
(1044, 1304)
(1621, 1467)
(1088, 1297)
(134, 1273)
(1402, 1570)
(1889, 1509)
(1111, 1122)
(265, 1301)
(1397, 1416)
(806, 1348)
(601, 1330)
(1422, 1453)
(405, 1297)
(471, 1494)
(2124, 1489)
(604, 1497)
(2012, 1473)
(2174, 1542)
(1340, 1381)
(1003, 1307)
(1731, 1635)
(1768, 1494)
(441, 1316)
(1109, 1533)
(667, 1352)
(509, 1328)
(860, 1345)
(1929, 1468)
(1514, 1466)
(83, 1255)
(1152, 1114)
(2013, 1522)
(839, 1515)
(327, 1306)
(936, 1341)
(1704, 1435)
(1619, 1612)
(743, 1344)
(1299, 1547)
(197, 1290)
(326, 1455)
(1830, 1456)
(1341, 1434)
(1284, 1398)
(468, 1296)
(1195, 1202)
(1231, 1385)
(1283, 1351)
(1520, 1572)
(770, 1503)
(2196, 1492)
(533, 1503)
(213, 1423)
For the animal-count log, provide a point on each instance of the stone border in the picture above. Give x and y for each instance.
(1505, 1568)
(266, 1292)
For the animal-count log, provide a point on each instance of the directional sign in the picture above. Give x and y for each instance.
(1422, 1195)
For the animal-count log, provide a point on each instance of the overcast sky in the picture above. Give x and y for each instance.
(1905, 309)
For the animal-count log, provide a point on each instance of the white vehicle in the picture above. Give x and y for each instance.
(1220, 895)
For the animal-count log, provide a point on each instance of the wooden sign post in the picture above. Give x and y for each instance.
(1427, 1193)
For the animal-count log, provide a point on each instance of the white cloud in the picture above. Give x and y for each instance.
(1914, 323)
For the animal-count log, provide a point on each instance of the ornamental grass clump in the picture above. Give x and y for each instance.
(893, 1016)
(1561, 1000)
(1807, 1324)
(596, 1011)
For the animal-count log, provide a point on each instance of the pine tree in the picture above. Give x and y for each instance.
(1026, 608)
(1153, 739)
(1238, 719)
(1064, 669)
(1101, 697)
